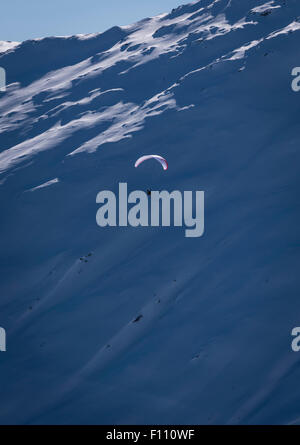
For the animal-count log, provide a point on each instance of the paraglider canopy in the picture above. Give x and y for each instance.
(160, 159)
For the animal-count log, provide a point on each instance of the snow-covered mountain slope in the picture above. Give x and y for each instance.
(5, 46)
(207, 86)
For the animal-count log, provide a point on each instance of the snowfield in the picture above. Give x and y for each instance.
(141, 325)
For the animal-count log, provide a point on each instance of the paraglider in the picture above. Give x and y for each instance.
(160, 159)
